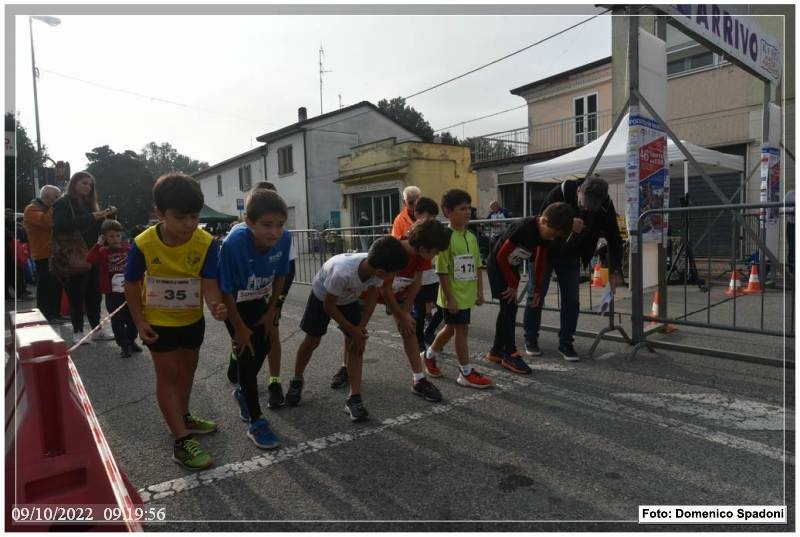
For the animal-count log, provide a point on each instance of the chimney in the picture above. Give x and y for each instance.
(302, 114)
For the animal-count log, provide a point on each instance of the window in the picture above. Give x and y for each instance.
(285, 164)
(585, 119)
(219, 185)
(245, 178)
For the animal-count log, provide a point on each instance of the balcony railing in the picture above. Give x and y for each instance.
(560, 134)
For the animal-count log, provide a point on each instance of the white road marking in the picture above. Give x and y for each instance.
(606, 356)
(725, 410)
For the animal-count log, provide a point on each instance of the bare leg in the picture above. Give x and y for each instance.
(304, 352)
(274, 355)
(442, 338)
(187, 363)
(170, 400)
(412, 352)
(354, 363)
(462, 351)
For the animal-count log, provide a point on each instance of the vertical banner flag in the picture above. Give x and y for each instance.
(647, 176)
(770, 182)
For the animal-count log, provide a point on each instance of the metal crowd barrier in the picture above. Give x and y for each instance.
(724, 308)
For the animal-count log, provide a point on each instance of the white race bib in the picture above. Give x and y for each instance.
(118, 283)
(518, 256)
(253, 294)
(429, 277)
(173, 293)
(464, 267)
(399, 283)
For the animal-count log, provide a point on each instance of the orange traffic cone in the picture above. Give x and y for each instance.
(597, 278)
(735, 285)
(754, 284)
(668, 328)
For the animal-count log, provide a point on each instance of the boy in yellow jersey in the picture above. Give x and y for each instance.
(171, 267)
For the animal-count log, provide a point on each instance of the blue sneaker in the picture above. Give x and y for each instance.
(244, 413)
(261, 434)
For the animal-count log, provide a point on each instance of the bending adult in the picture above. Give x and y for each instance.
(596, 217)
(38, 222)
(404, 220)
(78, 210)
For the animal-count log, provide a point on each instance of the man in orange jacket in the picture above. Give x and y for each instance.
(404, 220)
(37, 220)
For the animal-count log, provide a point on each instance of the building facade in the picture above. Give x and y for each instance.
(565, 111)
(372, 177)
(301, 161)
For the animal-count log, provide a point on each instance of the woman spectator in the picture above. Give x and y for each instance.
(77, 210)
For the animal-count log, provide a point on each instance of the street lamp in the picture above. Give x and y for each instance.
(51, 21)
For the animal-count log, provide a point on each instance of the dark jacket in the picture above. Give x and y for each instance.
(83, 220)
(601, 223)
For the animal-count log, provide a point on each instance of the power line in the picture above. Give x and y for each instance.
(523, 49)
(481, 117)
(150, 97)
(560, 32)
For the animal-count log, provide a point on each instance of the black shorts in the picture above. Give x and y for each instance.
(427, 293)
(315, 320)
(171, 338)
(461, 317)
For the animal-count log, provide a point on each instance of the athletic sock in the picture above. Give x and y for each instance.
(430, 353)
(274, 379)
(466, 369)
(418, 377)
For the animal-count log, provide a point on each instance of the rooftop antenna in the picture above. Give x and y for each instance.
(321, 72)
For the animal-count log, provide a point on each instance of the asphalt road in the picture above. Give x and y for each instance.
(575, 446)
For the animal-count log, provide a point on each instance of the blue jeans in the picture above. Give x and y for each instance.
(567, 271)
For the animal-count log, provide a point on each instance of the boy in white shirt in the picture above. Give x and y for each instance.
(334, 295)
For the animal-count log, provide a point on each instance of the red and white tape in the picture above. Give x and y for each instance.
(121, 494)
(96, 328)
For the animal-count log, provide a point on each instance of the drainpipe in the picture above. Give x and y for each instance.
(305, 170)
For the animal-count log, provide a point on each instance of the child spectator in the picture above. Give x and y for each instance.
(172, 267)
(334, 295)
(516, 245)
(111, 254)
(460, 273)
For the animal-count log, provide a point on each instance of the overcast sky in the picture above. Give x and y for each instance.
(237, 77)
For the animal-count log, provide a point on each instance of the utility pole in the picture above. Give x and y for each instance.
(321, 72)
(340, 101)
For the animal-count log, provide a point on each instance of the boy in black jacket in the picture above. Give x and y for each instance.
(595, 217)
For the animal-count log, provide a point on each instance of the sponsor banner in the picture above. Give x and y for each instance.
(647, 176)
(770, 182)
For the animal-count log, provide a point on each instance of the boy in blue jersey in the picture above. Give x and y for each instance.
(254, 261)
(171, 269)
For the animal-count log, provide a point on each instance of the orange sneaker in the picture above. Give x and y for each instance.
(494, 356)
(474, 380)
(430, 365)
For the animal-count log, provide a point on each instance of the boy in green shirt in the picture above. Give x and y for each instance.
(460, 271)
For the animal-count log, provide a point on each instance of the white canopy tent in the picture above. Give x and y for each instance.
(611, 167)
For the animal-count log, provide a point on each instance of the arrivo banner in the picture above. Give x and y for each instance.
(740, 37)
(770, 181)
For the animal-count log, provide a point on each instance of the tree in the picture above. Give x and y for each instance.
(161, 159)
(124, 181)
(20, 190)
(447, 138)
(407, 117)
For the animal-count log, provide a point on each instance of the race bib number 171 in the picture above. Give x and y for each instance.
(464, 268)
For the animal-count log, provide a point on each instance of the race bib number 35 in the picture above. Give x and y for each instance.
(173, 293)
(464, 268)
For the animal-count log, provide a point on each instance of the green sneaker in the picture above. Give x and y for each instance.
(189, 454)
(198, 425)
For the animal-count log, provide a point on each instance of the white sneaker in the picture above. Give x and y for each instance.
(104, 334)
(77, 336)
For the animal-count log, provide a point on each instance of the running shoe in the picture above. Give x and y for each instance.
(199, 425)
(135, 347)
(295, 392)
(276, 399)
(532, 349)
(430, 365)
(244, 412)
(495, 357)
(190, 454)
(425, 389)
(474, 380)
(568, 352)
(125, 351)
(340, 378)
(516, 365)
(104, 334)
(355, 407)
(261, 434)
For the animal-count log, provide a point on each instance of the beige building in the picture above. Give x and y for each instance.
(565, 111)
(372, 177)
